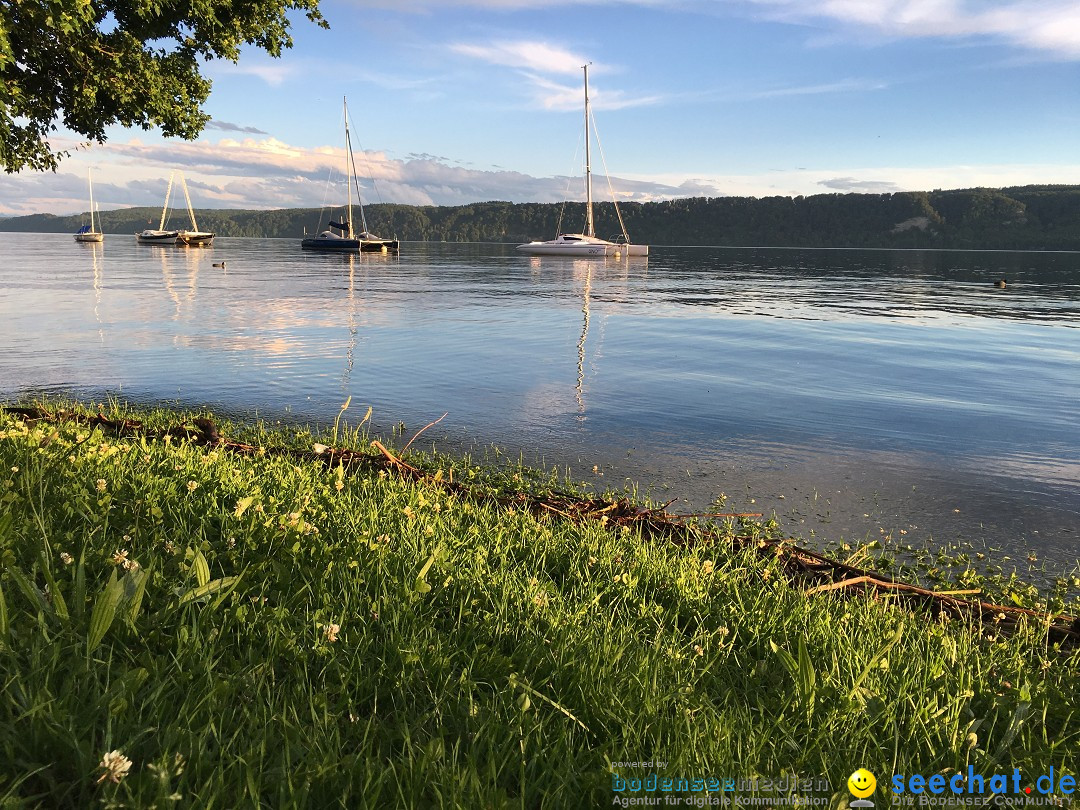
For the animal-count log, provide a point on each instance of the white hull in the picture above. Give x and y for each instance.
(581, 245)
(557, 249)
(89, 237)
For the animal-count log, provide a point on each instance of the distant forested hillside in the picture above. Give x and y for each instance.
(1027, 217)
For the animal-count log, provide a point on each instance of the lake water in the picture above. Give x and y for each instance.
(851, 393)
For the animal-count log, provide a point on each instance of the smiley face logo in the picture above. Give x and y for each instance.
(861, 783)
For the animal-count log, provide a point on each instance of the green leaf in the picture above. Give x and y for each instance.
(58, 603)
(3, 613)
(30, 590)
(243, 504)
(101, 618)
(786, 658)
(134, 590)
(80, 584)
(202, 570)
(421, 585)
(892, 642)
(807, 674)
(210, 588)
(6, 520)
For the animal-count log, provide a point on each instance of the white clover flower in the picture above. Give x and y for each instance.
(66, 558)
(330, 632)
(116, 767)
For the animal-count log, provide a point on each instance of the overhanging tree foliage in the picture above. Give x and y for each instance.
(92, 63)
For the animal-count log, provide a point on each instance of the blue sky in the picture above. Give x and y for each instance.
(456, 102)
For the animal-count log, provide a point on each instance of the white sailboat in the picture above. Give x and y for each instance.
(194, 236)
(88, 233)
(587, 243)
(161, 236)
(340, 236)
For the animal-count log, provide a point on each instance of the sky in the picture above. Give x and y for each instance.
(458, 102)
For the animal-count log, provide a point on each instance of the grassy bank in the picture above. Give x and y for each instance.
(258, 630)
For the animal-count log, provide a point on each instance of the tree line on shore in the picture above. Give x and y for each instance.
(1017, 218)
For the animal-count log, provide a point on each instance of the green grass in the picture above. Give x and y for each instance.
(481, 658)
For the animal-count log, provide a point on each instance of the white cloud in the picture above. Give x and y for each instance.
(536, 61)
(853, 184)
(273, 73)
(524, 54)
(1050, 26)
(844, 86)
(555, 96)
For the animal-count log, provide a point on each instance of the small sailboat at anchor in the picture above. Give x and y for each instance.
(193, 237)
(340, 236)
(586, 243)
(160, 236)
(88, 233)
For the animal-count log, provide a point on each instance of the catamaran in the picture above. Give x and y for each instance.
(340, 236)
(587, 243)
(88, 233)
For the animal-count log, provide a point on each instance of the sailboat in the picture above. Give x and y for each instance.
(88, 233)
(340, 236)
(587, 243)
(194, 236)
(161, 236)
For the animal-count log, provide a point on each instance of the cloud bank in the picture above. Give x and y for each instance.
(267, 173)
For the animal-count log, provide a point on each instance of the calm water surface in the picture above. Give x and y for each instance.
(851, 393)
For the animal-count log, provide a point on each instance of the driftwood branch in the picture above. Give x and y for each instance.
(421, 430)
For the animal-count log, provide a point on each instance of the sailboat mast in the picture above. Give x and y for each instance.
(165, 207)
(348, 164)
(590, 230)
(90, 180)
(187, 198)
